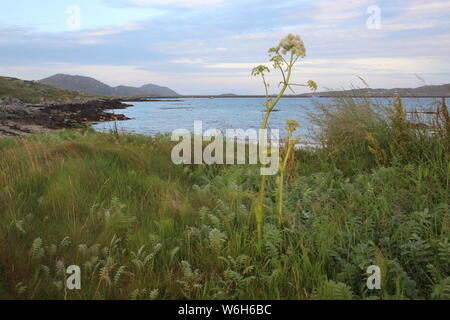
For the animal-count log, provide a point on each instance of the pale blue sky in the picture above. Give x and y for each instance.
(210, 46)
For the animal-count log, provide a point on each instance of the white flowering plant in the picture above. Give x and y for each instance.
(283, 58)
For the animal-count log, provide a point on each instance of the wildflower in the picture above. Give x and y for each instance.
(278, 61)
(291, 125)
(260, 70)
(293, 44)
(312, 85)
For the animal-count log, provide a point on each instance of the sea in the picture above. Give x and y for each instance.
(162, 116)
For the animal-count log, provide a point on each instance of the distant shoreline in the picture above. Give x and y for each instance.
(156, 98)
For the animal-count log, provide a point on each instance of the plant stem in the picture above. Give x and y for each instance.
(290, 146)
(280, 197)
(259, 210)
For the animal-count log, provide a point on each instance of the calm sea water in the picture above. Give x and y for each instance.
(166, 116)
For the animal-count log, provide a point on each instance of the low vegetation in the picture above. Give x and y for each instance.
(140, 227)
(33, 92)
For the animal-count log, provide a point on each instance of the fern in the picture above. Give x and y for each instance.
(65, 242)
(444, 253)
(331, 290)
(441, 291)
(153, 295)
(46, 271)
(19, 225)
(120, 271)
(191, 280)
(21, 288)
(105, 274)
(272, 240)
(217, 239)
(37, 251)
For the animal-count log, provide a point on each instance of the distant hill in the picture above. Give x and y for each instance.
(12, 90)
(429, 91)
(93, 86)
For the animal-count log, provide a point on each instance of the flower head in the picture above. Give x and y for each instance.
(291, 125)
(312, 85)
(278, 61)
(260, 70)
(293, 44)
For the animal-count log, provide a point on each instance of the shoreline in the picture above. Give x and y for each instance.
(21, 119)
(177, 98)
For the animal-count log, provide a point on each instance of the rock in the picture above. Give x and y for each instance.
(10, 101)
(56, 116)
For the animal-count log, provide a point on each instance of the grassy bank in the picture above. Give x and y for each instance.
(141, 227)
(35, 92)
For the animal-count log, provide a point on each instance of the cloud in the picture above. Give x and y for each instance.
(9, 33)
(236, 65)
(421, 7)
(329, 73)
(182, 3)
(332, 11)
(111, 30)
(354, 66)
(96, 36)
(189, 61)
(418, 15)
(220, 41)
(110, 74)
(114, 75)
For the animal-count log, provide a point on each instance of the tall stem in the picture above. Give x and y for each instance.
(259, 210)
(283, 166)
(280, 197)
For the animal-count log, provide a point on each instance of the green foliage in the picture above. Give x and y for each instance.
(331, 290)
(34, 92)
(358, 133)
(141, 227)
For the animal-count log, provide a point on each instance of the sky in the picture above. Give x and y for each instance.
(210, 46)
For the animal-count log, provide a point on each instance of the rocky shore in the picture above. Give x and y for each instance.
(18, 119)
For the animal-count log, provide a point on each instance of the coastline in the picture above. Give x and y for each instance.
(20, 119)
(307, 96)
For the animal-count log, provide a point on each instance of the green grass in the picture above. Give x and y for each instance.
(141, 227)
(34, 92)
